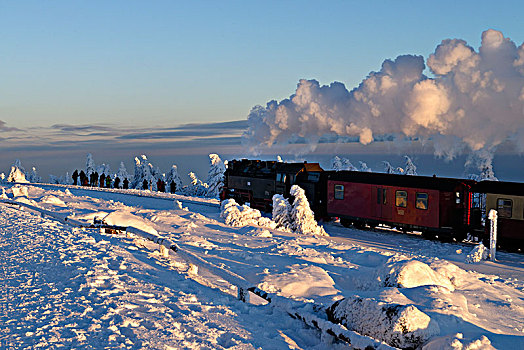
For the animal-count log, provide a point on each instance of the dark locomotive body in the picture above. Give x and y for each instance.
(255, 182)
(433, 205)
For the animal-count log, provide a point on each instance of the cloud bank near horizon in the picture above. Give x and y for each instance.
(474, 103)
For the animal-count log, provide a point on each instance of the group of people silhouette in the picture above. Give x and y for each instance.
(105, 181)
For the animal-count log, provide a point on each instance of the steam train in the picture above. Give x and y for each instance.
(446, 208)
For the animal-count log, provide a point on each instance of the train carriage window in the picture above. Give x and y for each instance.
(279, 177)
(401, 199)
(339, 191)
(421, 201)
(504, 207)
(384, 196)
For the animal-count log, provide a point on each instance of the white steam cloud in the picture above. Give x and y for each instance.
(475, 102)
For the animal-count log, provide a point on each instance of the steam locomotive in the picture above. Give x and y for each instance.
(437, 207)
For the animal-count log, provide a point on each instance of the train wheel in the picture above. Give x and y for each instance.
(359, 225)
(345, 222)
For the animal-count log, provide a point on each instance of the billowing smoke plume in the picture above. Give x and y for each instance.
(475, 102)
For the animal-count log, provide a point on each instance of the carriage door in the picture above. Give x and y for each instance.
(382, 203)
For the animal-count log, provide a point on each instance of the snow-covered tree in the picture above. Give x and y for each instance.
(282, 212)
(483, 162)
(122, 173)
(303, 217)
(175, 177)
(336, 163)
(364, 167)
(17, 173)
(215, 176)
(144, 170)
(411, 168)
(2, 177)
(339, 164)
(33, 176)
(388, 168)
(90, 165)
(196, 187)
(279, 159)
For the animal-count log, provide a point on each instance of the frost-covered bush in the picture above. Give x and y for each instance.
(17, 173)
(215, 177)
(282, 212)
(479, 253)
(303, 219)
(242, 215)
(402, 326)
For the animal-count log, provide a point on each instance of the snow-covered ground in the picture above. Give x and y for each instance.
(73, 287)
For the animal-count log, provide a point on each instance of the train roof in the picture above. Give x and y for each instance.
(500, 187)
(413, 181)
(260, 167)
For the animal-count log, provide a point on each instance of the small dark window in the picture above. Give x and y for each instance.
(339, 191)
(504, 207)
(279, 177)
(401, 199)
(421, 201)
(379, 196)
(313, 177)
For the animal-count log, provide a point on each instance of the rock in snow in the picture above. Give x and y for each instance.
(402, 326)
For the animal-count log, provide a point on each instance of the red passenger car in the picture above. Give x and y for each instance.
(429, 204)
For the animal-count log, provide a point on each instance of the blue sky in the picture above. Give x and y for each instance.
(138, 65)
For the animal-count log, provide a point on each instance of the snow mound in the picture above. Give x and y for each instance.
(457, 342)
(412, 273)
(300, 281)
(19, 191)
(178, 205)
(260, 232)
(124, 218)
(67, 192)
(479, 253)
(53, 200)
(238, 216)
(402, 326)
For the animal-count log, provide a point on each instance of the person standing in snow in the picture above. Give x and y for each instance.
(108, 181)
(75, 177)
(125, 184)
(102, 180)
(145, 185)
(83, 178)
(116, 183)
(172, 186)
